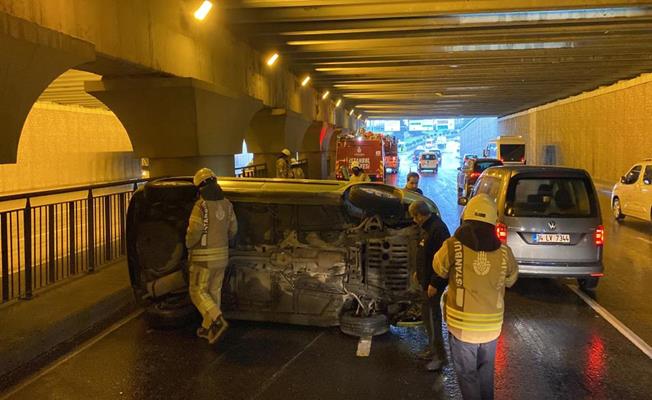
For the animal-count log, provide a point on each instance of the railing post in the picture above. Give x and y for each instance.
(52, 275)
(27, 240)
(122, 199)
(90, 223)
(5, 257)
(107, 227)
(72, 265)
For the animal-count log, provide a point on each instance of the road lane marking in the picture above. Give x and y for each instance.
(84, 347)
(364, 347)
(644, 239)
(628, 333)
(274, 377)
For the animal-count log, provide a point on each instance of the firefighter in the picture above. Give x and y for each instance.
(283, 164)
(212, 224)
(433, 234)
(296, 171)
(478, 268)
(358, 175)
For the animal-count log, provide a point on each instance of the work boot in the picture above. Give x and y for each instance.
(434, 365)
(202, 332)
(217, 329)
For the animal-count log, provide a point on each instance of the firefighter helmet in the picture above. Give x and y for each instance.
(355, 164)
(202, 176)
(481, 208)
(286, 152)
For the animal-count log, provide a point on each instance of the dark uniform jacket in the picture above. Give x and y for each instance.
(433, 234)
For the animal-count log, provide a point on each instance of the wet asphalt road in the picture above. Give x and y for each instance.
(554, 346)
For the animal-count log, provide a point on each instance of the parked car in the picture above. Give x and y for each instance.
(322, 253)
(469, 173)
(417, 153)
(468, 156)
(550, 217)
(632, 196)
(428, 161)
(438, 154)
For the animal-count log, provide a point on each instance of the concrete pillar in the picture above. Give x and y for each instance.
(180, 124)
(272, 130)
(30, 58)
(315, 149)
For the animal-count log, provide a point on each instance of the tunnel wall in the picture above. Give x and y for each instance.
(66, 145)
(163, 36)
(604, 131)
(476, 135)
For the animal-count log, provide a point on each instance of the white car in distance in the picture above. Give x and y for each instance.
(632, 196)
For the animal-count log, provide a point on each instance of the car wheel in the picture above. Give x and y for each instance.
(588, 284)
(373, 325)
(174, 312)
(617, 211)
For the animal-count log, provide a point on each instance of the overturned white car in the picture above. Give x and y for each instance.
(322, 253)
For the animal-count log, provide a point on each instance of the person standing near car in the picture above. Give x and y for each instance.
(412, 182)
(478, 268)
(283, 164)
(433, 234)
(358, 175)
(211, 225)
(296, 171)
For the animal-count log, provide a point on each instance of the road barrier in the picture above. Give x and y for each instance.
(57, 234)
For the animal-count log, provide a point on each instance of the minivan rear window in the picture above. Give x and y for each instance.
(482, 165)
(428, 156)
(512, 152)
(550, 197)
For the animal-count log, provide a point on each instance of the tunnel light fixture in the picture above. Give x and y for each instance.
(439, 94)
(339, 102)
(272, 59)
(325, 95)
(351, 112)
(305, 80)
(203, 10)
(359, 116)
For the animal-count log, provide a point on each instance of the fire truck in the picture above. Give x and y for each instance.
(366, 148)
(392, 160)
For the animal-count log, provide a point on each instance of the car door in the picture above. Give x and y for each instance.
(646, 193)
(629, 194)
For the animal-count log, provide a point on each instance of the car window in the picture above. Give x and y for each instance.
(648, 174)
(482, 165)
(550, 197)
(632, 175)
(428, 157)
(489, 185)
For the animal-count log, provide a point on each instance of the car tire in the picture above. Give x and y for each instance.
(175, 313)
(373, 325)
(588, 284)
(616, 209)
(366, 197)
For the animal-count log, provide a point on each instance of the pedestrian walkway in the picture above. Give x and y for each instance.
(34, 331)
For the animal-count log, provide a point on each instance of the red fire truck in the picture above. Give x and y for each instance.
(367, 149)
(392, 161)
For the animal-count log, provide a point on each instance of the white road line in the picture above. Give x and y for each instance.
(644, 239)
(86, 345)
(634, 338)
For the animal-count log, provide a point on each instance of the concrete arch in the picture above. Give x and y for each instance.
(32, 57)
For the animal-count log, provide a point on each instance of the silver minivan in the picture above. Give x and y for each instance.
(550, 218)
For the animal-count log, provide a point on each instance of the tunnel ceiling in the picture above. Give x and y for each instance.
(450, 58)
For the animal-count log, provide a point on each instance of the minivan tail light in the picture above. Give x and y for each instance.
(501, 232)
(599, 236)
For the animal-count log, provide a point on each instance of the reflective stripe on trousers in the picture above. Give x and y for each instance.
(207, 255)
(206, 291)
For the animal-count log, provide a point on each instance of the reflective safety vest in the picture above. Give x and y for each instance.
(473, 303)
(211, 225)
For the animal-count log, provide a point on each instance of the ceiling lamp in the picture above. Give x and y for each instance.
(272, 60)
(305, 80)
(203, 10)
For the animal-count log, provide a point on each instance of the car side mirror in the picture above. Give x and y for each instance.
(462, 201)
(459, 168)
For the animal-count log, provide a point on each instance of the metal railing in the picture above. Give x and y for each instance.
(57, 234)
(252, 171)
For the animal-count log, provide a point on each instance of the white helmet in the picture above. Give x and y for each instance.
(293, 161)
(481, 208)
(355, 164)
(286, 152)
(202, 176)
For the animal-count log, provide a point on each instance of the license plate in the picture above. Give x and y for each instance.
(563, 238)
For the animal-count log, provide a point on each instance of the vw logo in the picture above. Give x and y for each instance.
(552, 225)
